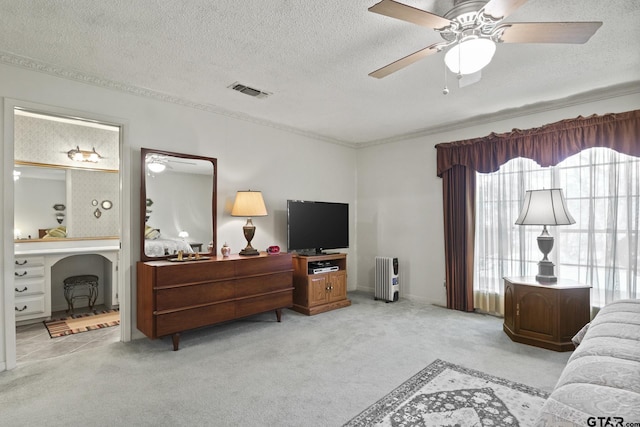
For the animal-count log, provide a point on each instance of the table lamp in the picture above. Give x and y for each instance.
(545, 207)
(249, 203)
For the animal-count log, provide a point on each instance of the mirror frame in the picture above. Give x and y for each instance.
(143, 198)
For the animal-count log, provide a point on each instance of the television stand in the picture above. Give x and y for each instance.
(320, 292)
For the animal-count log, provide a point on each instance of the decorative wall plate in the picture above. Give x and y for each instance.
(106, 205)
(94, 202)
(97, 213)
(59, 207)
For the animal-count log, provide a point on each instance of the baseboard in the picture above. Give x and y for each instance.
(412, 298)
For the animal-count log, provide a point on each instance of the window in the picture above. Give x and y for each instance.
(602, 189)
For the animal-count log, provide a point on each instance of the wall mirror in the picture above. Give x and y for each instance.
(177, 204)
(61, 164)
(54, 202)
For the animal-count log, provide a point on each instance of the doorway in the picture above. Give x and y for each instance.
(87, 217)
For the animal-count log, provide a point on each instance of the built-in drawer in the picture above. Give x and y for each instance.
(28, 261)
(192, 295)
(23, 272)
(263, 284)
(26, 306)
(28, 286)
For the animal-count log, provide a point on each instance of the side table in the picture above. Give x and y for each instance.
(545, 315)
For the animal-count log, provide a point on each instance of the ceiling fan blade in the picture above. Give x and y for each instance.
(500, 9)
(411, 14)
(547, 32)
(406, 61)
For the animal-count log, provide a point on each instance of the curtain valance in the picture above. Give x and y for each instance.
(547, 145)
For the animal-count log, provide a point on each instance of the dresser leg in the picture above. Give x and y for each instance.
(176, 340)
(279, 314)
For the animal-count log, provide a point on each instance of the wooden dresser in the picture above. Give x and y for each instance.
(545, 315)
(177, 296)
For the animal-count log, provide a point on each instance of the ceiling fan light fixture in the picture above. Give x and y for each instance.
(470, 55)
(156, 167)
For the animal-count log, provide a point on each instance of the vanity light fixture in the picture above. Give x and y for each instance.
(78, 155)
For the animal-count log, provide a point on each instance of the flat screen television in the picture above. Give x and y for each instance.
(313, 227)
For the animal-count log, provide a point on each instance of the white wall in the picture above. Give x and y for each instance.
(398, 211)
(400, 199)
(280, 164)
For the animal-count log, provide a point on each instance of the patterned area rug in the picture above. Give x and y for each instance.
(82, 323)
(443, 394)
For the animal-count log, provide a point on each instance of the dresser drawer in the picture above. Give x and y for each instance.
(193, 272)
(189, 296)
(28, 261)
(27, 306)
(170, 323)
(22, 272)
(263, 284)
(260, 304)
(266, 265)
(28, 286)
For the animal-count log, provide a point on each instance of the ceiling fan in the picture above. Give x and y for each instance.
(471, 30)
(158, 162)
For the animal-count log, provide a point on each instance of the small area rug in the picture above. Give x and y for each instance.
(444, 394)
(84, 322)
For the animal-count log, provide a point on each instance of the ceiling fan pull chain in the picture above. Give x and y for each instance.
(445, 91)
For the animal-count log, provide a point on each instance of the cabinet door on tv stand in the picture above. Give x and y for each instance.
(317, 289)
(338, 286)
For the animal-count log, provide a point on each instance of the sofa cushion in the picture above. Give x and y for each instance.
(602, 376)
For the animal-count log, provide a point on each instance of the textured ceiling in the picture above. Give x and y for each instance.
(314, 57)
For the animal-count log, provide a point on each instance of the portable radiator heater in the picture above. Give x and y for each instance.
(387, 284)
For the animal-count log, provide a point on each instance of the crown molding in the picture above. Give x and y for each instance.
(599, 94)
(31, 64)
(591, 96)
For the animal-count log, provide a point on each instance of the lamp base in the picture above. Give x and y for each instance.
(545, 272)
(249, 230)
(249, 251)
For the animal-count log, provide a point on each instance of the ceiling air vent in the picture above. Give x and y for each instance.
(249, 90)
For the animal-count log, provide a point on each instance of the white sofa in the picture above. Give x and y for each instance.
(601, 383)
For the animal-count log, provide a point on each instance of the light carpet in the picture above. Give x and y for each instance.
(444, 394)
(82, 323)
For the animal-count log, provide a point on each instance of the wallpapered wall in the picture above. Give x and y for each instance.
(82, 188)
(47, 141)
(38, 140)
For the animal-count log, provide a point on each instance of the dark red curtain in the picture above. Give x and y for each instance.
(548, 145)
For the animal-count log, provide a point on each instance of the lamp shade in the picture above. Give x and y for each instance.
(470, 55)
(249, 203)
(545, 207)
